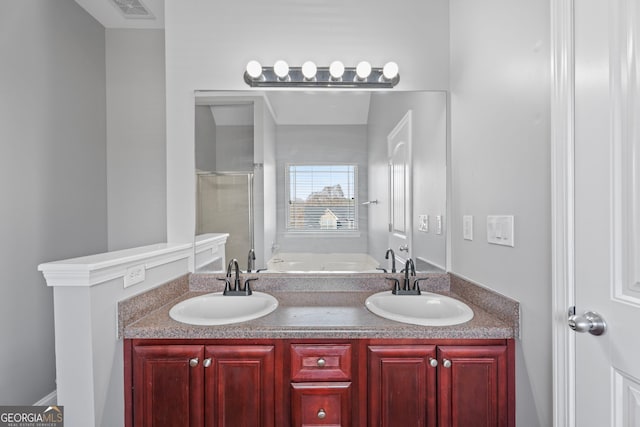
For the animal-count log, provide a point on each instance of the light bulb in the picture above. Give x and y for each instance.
(309, 70)
(254, 69)
(281, 68)
(363, 69)
(390, 70)
(336, 69)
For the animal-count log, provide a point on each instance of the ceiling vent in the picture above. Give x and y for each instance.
(133, 9)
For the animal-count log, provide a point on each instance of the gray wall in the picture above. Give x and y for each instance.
(136, 169)
(320, 144)
(205, 139)
(234, 148)
(52, 175)
(500, 135)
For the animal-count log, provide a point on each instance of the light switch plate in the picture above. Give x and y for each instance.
(423, 223)
(500, 230)
(438, 224)
(467, 227)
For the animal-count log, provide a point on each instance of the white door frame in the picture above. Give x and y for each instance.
(562, 209)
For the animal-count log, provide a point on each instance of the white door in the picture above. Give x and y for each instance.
(607, 211)
(399, 153)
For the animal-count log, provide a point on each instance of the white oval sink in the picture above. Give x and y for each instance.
(427, 309)
(218, 309)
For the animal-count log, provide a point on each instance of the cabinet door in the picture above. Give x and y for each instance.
(168, 387)
(240, 386)
(473, 386)
(321, 404)
(402, 386)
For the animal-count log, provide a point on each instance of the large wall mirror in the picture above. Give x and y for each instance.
(323, 181)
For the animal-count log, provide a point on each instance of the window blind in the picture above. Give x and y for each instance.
(322, 198)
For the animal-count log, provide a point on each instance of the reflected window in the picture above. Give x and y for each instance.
(321, 198)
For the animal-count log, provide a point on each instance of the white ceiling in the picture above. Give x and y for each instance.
(105, 12)
(233, 114)
(349, 107)
(320, 107)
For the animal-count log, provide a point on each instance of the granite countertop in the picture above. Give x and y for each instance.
(323, 314)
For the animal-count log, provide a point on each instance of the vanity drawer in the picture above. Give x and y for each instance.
(321, 404)
(320, 362)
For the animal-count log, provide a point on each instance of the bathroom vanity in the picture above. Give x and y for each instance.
(321, 359)
(321, 382)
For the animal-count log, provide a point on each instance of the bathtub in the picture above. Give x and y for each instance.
(284, 262)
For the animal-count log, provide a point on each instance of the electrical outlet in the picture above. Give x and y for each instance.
(134, 275)
(438, 224)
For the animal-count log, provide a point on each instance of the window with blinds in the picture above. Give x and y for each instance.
(322, 198)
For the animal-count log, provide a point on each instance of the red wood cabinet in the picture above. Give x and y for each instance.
(198, 385)
(168, 390)
(321, 404)
(445, 386)
(473, 386)
(349, 383)
(402, 386)
(321, 387)
(239, 386)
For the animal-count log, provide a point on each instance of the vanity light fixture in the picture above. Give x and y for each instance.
(281, 69)
(336, 69)
(254, 70)
(309, 70)
(390, 71)
(363, 70)
(336, 75)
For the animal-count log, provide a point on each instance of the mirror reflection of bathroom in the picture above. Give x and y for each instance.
(224, 176)
(309, 179)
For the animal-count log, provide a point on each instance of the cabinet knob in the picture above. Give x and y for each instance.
(193, 362)
(206, 362)
(321, 362)
(446, 363)
(433, 362)
(321, 413)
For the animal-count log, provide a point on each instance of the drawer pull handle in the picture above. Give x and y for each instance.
(207, 362)
(433, 362)
(321, 362)
(446, 363)
(321, 413)
(193, 362)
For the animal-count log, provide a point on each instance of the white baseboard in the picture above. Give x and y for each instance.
(50, 399)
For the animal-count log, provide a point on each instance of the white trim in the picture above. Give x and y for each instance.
(562, 209)
(50, 399)
(95, 269)
(209, 248)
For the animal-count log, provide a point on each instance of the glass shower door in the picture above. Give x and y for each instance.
(225, 206)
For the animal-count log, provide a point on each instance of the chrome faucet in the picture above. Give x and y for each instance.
(251, 258)
(235, 289)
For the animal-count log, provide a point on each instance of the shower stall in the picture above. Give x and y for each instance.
(225, 205)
